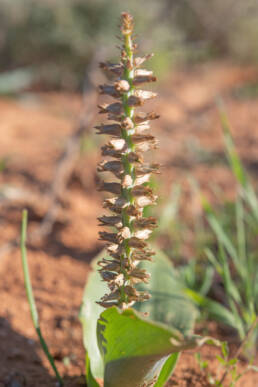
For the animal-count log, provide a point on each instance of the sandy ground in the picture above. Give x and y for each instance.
(34, 132)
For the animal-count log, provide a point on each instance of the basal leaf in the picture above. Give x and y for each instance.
(168, 304)
(91, 381)
(167, 369)
(89, 314)
(135, 349)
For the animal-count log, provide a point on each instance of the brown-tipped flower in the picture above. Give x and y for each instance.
(138, 61)
(130, 138)
(127, 23)
(116, 69)
(142, 223)
(110, 187)
(113, 221)
(139, 275)
(142, 117)
(109, 90)
(116, 167)
(114, 108)
(143, 255)
(112, 130)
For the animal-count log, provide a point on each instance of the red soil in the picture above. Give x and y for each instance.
(34, 132)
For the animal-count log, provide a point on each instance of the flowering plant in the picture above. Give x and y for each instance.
(130, 138)
(128, 347)
(130, 350)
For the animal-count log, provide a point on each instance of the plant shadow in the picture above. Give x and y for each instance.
(21, 366)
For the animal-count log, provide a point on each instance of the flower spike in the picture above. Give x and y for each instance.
(130, 138)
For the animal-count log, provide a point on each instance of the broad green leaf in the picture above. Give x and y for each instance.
(167, 369)
(168, 303)
(91, 381)
(135, 349)
(169, 212)
(89, 314)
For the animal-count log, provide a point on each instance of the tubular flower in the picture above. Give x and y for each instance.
(130, 138)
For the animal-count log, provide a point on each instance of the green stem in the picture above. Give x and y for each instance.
(128, 75)
(30, 296)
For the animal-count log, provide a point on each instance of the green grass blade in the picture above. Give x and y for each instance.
(207, 282)
(222, 236)
(242, 248)
(230, 287)
(232, 294)
(28, 287)
(214, 309)
(241, 237)
(213, 260)
(224, 239)
(251, 198)
(30, 296)
(233, 158)
(217, 311)
(236, 165)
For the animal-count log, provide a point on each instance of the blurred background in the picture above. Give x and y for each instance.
(206, 58)
(49, 43)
